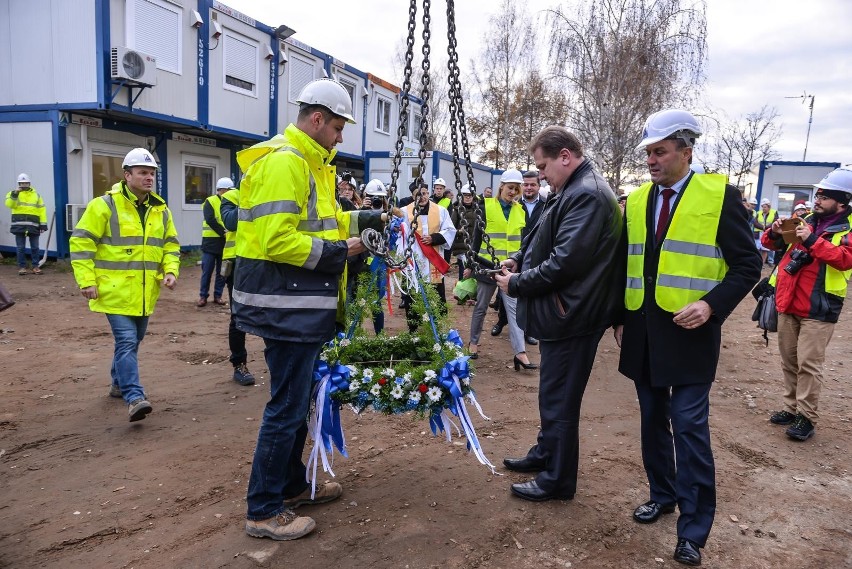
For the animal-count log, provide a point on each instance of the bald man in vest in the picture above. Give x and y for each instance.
(690, 260)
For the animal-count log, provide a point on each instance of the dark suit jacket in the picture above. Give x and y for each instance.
(676, 356)
(532, 218)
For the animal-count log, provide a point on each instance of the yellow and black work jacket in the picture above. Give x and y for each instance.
(291, 248)
(125, 250)
(212, 229)
(29, 215)
(230, 207)
(504, 234)
(690, 261)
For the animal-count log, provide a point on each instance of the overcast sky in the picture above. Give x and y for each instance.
(760, 52)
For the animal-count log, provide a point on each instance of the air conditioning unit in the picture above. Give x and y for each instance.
(73, 213)
(134, 66)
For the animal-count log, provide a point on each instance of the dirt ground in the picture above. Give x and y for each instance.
(80, 486)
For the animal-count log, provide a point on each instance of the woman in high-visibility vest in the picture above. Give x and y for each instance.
(504, 221)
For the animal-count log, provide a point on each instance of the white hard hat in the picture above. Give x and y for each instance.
(139, 157)
(439, 182)
(512, 176)
(671, 123)
(753, 201)
(329, 94)
(765, 201)
(224, 184)
(800, 206)
(697, 168)
(376, 188)
(23, 178)
(809, 205)
(839, 180)
(466, 189)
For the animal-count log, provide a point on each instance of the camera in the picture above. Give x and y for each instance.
(378, 202)
(346, 176)
(798, 259)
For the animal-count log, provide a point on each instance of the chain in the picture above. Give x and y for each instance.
(458, 126)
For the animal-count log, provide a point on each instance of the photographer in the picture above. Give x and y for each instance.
(810, 289)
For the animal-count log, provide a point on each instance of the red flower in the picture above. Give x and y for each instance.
(382, 381)
(422, 388)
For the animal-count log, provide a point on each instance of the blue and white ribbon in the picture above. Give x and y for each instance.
(324, 424)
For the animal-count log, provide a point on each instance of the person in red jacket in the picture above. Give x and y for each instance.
(810, 289)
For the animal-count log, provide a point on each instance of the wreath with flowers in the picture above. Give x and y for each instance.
(425, 371)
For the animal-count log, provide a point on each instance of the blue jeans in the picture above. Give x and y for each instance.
(277, 472)
(209, 264)
(128, 332)
(21, 244)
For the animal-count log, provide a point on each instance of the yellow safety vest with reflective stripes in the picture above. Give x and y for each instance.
(230, 250)
(504, 234)
(764, 219)
(287, 215)
(28, 212)
(445, 202)
(690, 263)
(126, 258)
(206, 230)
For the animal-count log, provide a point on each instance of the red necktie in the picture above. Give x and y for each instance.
(663, 220)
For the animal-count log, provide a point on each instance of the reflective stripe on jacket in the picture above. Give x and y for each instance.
(206, 230)
(28, 212)
(504, 234)
(691, 263)
(290, 245)
(230, 251)
(113, 249)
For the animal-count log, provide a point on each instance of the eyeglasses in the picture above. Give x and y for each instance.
(821, 198)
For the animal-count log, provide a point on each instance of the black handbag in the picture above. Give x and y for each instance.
(765, 313)
(6, 300)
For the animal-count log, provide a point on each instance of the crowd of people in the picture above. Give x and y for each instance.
(663, 268)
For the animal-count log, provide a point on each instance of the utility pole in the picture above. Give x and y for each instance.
(804, 97)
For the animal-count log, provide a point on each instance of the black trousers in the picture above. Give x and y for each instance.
(677, 455)
(565, 369)
(236, 337)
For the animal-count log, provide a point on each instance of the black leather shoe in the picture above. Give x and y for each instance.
(495, 331)
(650, 511)
(530, 491)
(687, 552)
(531, 341)
(525, 464)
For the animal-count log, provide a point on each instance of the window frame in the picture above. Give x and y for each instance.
(130, 24)
(379, 101)
(293, 57)
(251, 42)
(197, 161)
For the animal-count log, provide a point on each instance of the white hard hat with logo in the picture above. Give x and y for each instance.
(224, 184)
(23, 178)
(440, 182)
(839, 180)
(329, 94)
(466, 189)
(375, 188)
(512, 176)
(671, 123)
(139, 157)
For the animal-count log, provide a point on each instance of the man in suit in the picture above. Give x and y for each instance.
(690, 260)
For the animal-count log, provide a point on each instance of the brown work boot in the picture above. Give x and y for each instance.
(325, 493)
(201, 302)
(286, 525)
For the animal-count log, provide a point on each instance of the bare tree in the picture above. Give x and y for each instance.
(535, 105)
(742, 143)
(509, 50)
(622, 60)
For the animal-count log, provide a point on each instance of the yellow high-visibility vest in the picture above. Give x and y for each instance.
(207, 231)
(691, 263)
(230, 250)
(504, 234)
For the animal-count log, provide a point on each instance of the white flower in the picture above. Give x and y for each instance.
(367, 373)
(375, 389)
(466, 380)
(362, 302)
(353, 371)
(436, 348)
(415, 339)
(430, 374)
(354, 385)
(434, 394)
(407, 378)
(425, 318)
(324, 355)
(397, 392)
(388, 372)
(450, 345)
(414, 396)
(344, 342)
